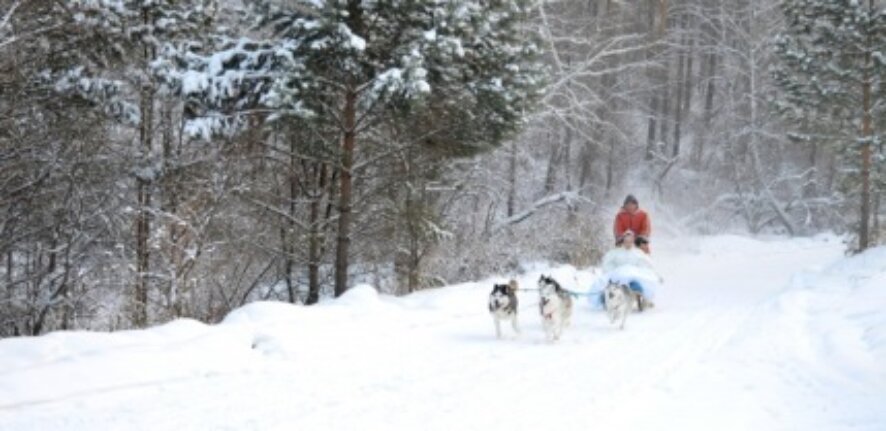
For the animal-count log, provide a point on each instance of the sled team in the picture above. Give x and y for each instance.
(619, 297)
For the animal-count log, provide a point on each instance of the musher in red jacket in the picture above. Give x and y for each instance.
(632, 218)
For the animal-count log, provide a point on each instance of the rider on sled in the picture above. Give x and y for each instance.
(632, 218)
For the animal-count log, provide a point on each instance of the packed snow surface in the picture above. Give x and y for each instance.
(747, 334)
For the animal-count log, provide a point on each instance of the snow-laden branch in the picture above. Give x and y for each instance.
(7, 17)
(567, 196)
(7, 39)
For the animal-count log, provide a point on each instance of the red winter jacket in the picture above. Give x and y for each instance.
(637, 221)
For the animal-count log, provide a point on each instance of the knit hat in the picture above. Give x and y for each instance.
(630, 199)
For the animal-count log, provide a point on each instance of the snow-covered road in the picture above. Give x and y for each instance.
(747, 334)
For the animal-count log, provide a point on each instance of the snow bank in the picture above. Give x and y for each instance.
(263, 312)
(843, 306)
(749, 334)
(361, 295)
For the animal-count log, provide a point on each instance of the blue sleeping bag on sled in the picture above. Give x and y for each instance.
(642, 280)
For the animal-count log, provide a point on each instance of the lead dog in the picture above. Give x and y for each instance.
(503, 305)
(555, 307)
(619, 300)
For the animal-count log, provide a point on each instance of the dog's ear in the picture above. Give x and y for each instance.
(513, 286)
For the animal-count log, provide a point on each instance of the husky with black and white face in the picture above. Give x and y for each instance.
(619, 300)
(555, 306)
(503, 305)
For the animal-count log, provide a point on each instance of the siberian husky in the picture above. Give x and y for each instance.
(619, 300)
(555, 307)
(503, 305)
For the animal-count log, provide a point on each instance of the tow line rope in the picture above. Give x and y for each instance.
(570, 292)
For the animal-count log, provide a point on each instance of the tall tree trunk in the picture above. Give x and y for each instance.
(344, 204)
(864, 234)
(875, 215)
(349, 141)
(650, 131)
(698, 153)
(586, 157)
(610, 166)
(551, 173)
(315, 239)
(678, 107)
(809, 189)
(169, 197)
(512, 179)
(289, 236)
(140, 317)
(9, 268)
(654, 75)
(665, 107)
(687, 84)
(688, 81)
(566, 159)
(144, 185)
(413, 213)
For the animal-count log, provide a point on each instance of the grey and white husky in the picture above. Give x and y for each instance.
(619, 300)
(555, 306)
(503, 305)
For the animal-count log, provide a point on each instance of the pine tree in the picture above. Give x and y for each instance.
(461, 71)
(832, 71)
(114, 69)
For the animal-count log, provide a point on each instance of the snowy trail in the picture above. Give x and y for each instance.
(746, 334)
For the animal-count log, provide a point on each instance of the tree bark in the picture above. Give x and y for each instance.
(875, 217)
(687, 84)
(610, 167)
(864, 236)
(144, 185)
(169, 203)
(551, 172)
(413, 215)
(143, 218)
(512, 179)
(698, 153)
(566, 158)
(665, 108)
(662, 16)
(344, 204)
(678, 107)
(349, 141)
(315, 239)
(650, 131)
(809, 189)
(288, 236)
